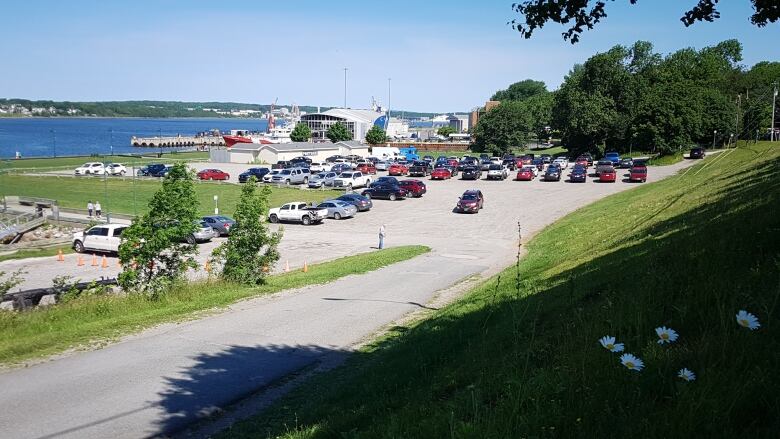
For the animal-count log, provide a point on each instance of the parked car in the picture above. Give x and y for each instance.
(414, 188)
(626, 163)
(382, 165)
(116, 169)
(366, 168)
(297, 175)
(267, 177)
(213, 174)
(539, 163)
(579, 174)
(613, 157)
(162, 172)
(103, 238)
(151, 170)
(471, 173)
(441, 173)
(546, 158)
(562, 162)
(608, 175)
(362, 203)
(338, 209)
(397, 169)
(484, 164)
(281, 164)
(553, 173)
(525, 174)
(92, 168)
(582, 161)
(384, 180)
(387, 191)
(298, 212)
(323, 179)
(203, 233)
(602, 165)
(533, 169)
(470, 202)
(419, 169)
(696, 153)
(353, 179)
(589, 157)
(220, 223)
(258, 173)
(316, 167)
(497, 172)
(638, 173)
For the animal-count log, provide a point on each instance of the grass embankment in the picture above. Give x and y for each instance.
(127, 197)
(74, 162)
(524, 361)
(37, 252)
(47, 331)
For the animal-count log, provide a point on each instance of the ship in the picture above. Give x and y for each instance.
(273, 134)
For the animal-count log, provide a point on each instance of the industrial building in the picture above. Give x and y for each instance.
(460, 122)
(358, 122)
(249, 153)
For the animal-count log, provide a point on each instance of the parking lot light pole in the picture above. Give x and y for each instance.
(216, 205)
(54, 143)
(713, 138)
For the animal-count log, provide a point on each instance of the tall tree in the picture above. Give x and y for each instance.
(503, 128)
(338, 133)
(520, 91)
(445, 131)
(376, 135)
(301, 133)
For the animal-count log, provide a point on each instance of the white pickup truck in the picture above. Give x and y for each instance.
(353, 179)
(298, 212)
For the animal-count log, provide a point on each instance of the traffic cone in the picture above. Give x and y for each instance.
(94, 260)
(104, 262)
(118, 264)
(60, 258)
(207, 266)
(287, 266)
(80, 261)
(305, 267)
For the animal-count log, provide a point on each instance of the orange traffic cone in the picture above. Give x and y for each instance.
(305, 267)
(207, 266)
(80, 261)
(287, 266)
(60, 258)
(94, 260)
(118, 264)
(104, 262)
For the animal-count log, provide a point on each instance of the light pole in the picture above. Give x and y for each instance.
(731, 136)
(159, 139)
(714, 132)
(216, 205)
(54, 143)
(774, 99)
(345, 87)
(111, 141)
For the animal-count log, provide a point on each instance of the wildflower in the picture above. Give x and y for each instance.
(666, 335)
(609, 344)
(632, 362)
(686, 374)
(747, 320)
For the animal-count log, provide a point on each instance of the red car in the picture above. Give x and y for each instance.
(452, 163)
(366, 168)
(525, 174)
(607, 175)
(397, 169)
(415, 188)
(638, 173)
(582, 160)
(213, 174)
(441, 174)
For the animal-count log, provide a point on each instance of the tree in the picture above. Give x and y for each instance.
(250, 250)
(301, 133)
(445, 131)
(338, 133)
(158, 248)
(582, 14)
(503, 128)
(520, 91)
(376, 135)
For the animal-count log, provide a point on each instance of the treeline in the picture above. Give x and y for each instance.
(634, 98)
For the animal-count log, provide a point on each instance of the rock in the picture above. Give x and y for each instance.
(7, 306)
(48, 300)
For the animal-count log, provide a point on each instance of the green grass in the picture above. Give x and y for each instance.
(123, 197)
(73, 162)
(519, 357)
(85, 321)
(665, 160)
(37, 253)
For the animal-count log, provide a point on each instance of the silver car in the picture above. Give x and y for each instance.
(338, 209)
(204, 232)
(382, 165)
(322, 179)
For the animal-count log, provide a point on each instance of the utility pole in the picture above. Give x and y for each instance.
(736, 118)
(388, 99)
(345, 87)
(774, 99)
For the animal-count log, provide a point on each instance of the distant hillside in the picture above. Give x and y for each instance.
(28, 108)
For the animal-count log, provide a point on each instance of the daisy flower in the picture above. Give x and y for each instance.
(632, 362)
(686, 374)
(609, 344)
(666, 335)
(747, 320)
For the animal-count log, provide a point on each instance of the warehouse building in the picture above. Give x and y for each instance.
(251, 153)
(358, 122)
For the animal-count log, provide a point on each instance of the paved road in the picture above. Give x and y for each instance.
(164, 378)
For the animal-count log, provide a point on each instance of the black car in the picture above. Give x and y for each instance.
(161, 172)
(626, 163)
(471, 173)
(258, 173)
(510, 164)
(151, 170)
(362, 203)
(471, 202)
(578, 175)
(281, 164)
(553, 173)
(419, 169)
(390, 192)
(384, 180)
(696, 153)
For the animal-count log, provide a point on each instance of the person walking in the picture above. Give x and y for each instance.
(98, 210)
(90, 208)
(382, 237)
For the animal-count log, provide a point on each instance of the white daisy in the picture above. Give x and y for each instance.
(632, 362)
(609, 344)
(686, 374)
(666, 335)
(747, 320)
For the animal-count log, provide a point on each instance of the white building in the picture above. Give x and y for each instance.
(398, 128)
(460, 122)
(250, 153)
(358, 122)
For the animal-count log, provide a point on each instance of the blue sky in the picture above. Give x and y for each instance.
(441, 55)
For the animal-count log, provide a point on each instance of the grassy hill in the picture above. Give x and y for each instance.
(519, 356)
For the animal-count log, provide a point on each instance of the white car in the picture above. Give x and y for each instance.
(533, 169)
(104, 238)
(319, 167)
(116, 169)
(563, 162)
(353, 179)
(267, 177)
(497, 172)
(92, 168)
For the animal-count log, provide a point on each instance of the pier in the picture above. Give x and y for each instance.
(176, 141)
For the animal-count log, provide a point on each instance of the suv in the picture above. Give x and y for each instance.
(419, 169)
(497, 172)
(152, 170)
(613, 157)
(95, 168)
(258, 173)
(292, 176)
(414, 188)
(470, 202)
(104, 238)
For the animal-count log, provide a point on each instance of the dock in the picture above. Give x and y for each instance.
(176, 141)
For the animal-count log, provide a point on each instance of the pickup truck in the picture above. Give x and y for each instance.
(298, 212)
(353, 179)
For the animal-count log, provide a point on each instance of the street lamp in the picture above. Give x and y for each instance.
(713, 138)
(216, 205)
(159, 139)
(54, 142)
(111, 141)
(731, 136)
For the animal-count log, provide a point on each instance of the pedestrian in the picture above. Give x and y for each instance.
(382, 237)
(97, 208)
(90, 208)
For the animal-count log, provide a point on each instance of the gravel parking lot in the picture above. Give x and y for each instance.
(490, 236)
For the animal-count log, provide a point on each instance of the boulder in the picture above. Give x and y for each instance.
(7, 306)
(48, 300)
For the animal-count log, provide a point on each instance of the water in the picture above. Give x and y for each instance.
(40, 137)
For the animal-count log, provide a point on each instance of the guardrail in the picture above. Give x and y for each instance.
(30, 298)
